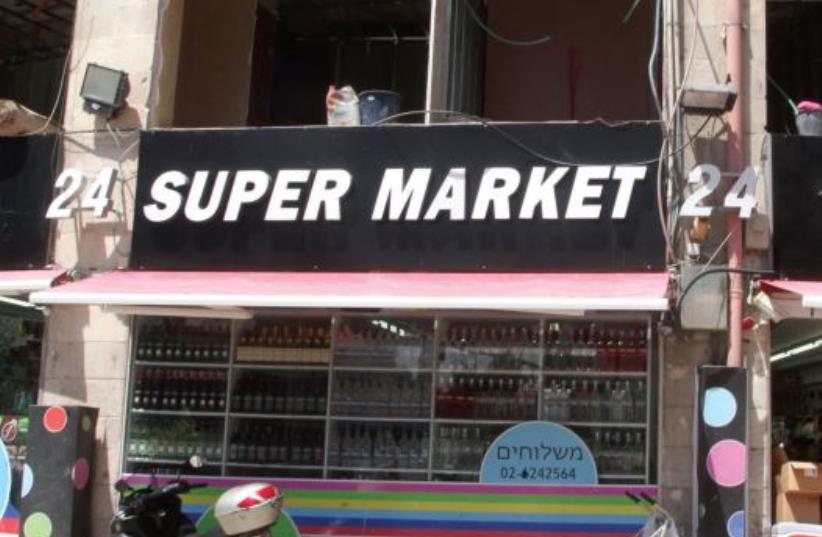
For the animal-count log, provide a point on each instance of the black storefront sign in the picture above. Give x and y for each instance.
(444, 197)
(797, 205)
(26, 168)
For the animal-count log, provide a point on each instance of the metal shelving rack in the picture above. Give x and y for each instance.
(432, 367)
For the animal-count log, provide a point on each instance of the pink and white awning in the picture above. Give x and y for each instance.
(527, 292)
(21, 282)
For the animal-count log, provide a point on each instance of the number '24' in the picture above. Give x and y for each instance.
(96, 198)
(740, 196)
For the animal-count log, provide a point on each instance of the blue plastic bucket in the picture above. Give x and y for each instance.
(376, 105)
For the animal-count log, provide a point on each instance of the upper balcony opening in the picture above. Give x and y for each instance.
(35, 38)
(270, 62)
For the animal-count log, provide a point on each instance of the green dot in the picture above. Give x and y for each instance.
(37, 525)
(85, 423)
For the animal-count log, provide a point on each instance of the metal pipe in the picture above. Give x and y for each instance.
(734, 161)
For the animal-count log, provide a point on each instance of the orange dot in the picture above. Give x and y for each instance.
(55, 419)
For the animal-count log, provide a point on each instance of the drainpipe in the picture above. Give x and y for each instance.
(734, 162)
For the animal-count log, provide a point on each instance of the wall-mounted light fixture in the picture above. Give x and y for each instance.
(104, 90)
(709, 98)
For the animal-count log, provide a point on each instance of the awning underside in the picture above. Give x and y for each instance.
(511, 291)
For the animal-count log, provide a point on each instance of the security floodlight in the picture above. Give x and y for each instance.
(104, 90)
(709, 98)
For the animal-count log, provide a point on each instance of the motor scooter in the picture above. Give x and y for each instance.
(156, 511)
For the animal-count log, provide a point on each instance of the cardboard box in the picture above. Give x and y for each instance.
(801, 478)
(793, 507)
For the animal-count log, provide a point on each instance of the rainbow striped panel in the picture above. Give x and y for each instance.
(402, 509)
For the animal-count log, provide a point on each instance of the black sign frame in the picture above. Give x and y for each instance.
(356, 242)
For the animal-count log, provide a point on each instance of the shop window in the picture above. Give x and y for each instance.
(21, 335)
(594, 66)
(794, 49)
(797, 388)
(295, 49)
(417, 398)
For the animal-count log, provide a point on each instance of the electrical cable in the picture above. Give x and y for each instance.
(533, 152)
(630, 12)
(669, 251)
(63, 75)
(783, 93)
(725, 270)
(652, 59)
(500, 38)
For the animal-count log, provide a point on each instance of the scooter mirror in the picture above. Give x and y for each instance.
(121, 486)
(196, 462)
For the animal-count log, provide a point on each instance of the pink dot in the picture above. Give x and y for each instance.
(80, 474)
(55, 419)
(727, 463)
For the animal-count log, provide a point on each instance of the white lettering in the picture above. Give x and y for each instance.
(194, 204)
(249, 186)
(450, 197)
(496, 187)
(168, 200)
(283, 192)
(328, 189)
(541, 191)
(400, 196)
(627, 176)
(583, 190)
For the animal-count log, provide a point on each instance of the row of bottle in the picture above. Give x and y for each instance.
(486, 397)
(594, 400)
(596, 349)
(184, 340)
(292, 334)
(284, 394)
(369, 445)
(277, 443)
(491, 335)
(176, 440)
(159, 388)
(382, 395)
(391, 332)
(462, 447)
(618, 452)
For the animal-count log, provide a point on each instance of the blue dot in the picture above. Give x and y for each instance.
(736, 524)
(28, 481)
(719, 407)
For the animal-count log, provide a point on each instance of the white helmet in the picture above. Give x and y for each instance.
(248, 508)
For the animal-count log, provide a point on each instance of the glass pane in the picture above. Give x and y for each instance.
(20, 344)
(367, 445)
(607, 399)
(618, 452)
(275, 340)
(279, 392)
(179, 388)
(384, 343)
(459, 448)
(479, 345)
(175, 339)
(173, 439)
(581, 346)
(494, 397)
(276, 441)
(380, 394)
